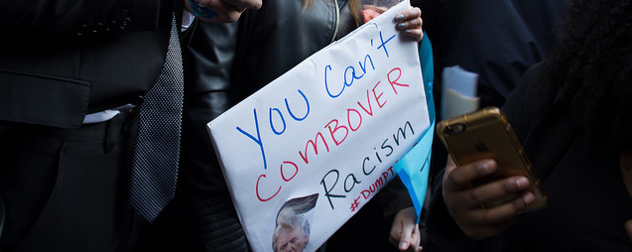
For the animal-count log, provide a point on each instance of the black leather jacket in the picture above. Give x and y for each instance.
(224, 63)
(232, 61)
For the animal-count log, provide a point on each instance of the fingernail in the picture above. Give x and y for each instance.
(401, 25)
(528, 199)
(483, 166)
(522, 182)
(408, 31)
(403, 245)
(399, 17)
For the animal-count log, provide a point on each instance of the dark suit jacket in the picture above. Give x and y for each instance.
(63, 59)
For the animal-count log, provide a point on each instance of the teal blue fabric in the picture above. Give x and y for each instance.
(414, 167)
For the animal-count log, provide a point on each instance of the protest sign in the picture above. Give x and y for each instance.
(315, 145)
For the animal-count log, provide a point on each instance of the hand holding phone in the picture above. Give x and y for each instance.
(486, 134)
(488, 179)
(467, 204)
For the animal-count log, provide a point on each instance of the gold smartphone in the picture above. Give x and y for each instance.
(485, 133)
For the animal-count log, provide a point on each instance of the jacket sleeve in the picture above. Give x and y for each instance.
(21, 20)
(523, 105)
(209, 52)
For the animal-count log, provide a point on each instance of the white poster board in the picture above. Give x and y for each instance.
(330, 128)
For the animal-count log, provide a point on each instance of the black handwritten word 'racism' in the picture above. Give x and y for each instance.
(330, 180)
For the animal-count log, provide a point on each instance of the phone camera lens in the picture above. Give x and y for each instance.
(455, 129)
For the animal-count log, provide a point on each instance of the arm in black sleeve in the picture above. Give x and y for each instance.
(209, 53)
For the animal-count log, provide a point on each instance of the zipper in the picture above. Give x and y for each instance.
(336, 20)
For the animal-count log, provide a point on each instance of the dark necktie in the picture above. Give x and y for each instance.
(155, 165)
